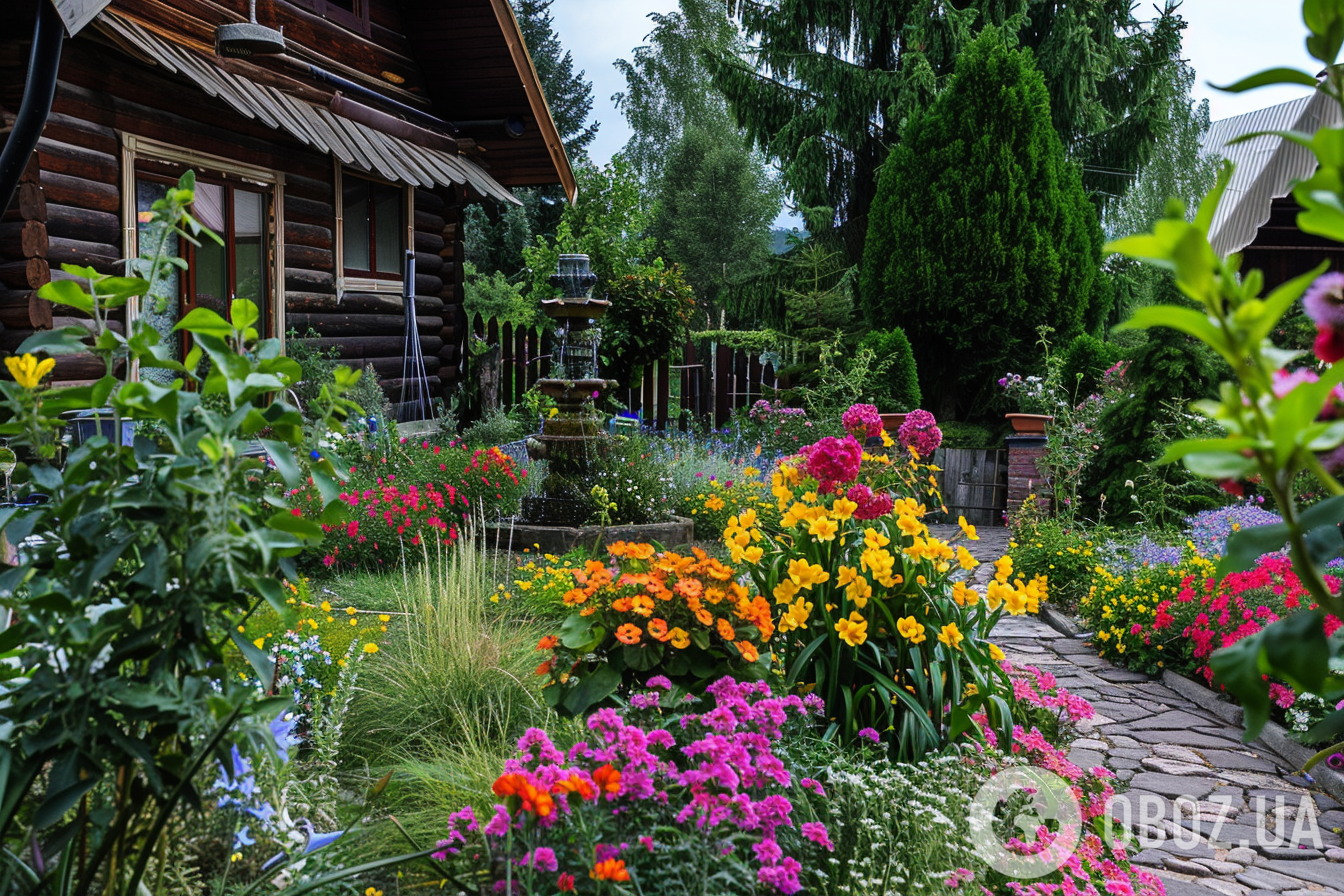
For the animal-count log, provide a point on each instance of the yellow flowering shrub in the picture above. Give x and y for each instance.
(1132, 612)
(872, 611)
(713, 502)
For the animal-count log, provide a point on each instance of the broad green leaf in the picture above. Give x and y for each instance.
(67, 292)
(259, 659)
(1269, 77)
(1208, 206)
(1219, 465)
(1179, 449)
(285, 464)
(1280, 300)
(1296, 650)
(592, 689)
(204, 322)
(244, 314)
(1247, 546)
(1239, 669)
(296, 525)
(61, 341)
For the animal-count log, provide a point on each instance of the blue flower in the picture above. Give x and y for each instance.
(317, 841)
(282, 729)
(241, 839)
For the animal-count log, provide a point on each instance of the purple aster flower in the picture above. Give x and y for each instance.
(1324, 300)
(870, 734)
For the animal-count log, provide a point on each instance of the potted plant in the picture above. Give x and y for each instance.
(1033, 402)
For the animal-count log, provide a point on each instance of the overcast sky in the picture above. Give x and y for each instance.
(1226, 40)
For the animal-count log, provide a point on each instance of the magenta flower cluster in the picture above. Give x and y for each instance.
(920, 433)
(713, 774)
(834, 462)
(872, 505)
(862, 421)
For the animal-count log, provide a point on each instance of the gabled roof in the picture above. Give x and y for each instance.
(1265, 167)
(476, 66)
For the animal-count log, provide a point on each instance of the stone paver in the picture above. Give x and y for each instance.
(1234, 819)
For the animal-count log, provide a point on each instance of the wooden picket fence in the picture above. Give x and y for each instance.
(696, 386)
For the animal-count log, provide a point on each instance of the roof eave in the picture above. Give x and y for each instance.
(527, 71)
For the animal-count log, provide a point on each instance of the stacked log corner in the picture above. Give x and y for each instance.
(65, 211)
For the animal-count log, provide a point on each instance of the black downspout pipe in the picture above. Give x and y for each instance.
(38, 93)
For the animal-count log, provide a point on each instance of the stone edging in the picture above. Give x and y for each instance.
(1273, 737)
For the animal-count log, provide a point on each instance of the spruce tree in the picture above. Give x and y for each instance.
(981, 231)
(826, 86)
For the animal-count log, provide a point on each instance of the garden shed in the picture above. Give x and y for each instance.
(320, 163)
(1258, 215)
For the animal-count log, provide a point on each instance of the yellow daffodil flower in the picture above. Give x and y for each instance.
(843, 508)
(823, 529)
(846, 575)
(967, 528)
(996, 653)
(911, 630)
(951, 636)
(909, 525)
(859, 591)
(854, 630)
(875, 539)
(965, 560)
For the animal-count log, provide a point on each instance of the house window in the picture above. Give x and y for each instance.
(374, 228)
(216, 274)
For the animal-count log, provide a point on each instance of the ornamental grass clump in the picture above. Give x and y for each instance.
(656, 798)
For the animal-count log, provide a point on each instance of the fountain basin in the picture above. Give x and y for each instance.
(513, 535)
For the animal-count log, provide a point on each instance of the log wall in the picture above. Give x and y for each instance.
(68, 210)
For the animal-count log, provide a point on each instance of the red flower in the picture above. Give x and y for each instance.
(1329, 345)
(565, 883)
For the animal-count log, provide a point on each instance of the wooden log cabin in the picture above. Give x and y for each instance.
(320, 167)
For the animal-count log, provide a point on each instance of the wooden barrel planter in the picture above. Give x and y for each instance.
(974, 483)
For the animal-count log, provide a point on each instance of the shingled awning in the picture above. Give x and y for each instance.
(353, 143)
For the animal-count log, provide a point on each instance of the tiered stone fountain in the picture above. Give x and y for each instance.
(571, 440)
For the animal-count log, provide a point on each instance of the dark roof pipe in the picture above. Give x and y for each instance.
(353, 89)
(38, 94)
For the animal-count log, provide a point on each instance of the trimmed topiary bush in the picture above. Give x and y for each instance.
(897, 389)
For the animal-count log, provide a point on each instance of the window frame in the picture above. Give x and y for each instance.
(370, 281)
(358, 21)
(209, 168)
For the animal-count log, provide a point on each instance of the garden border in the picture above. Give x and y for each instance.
(1273, 737)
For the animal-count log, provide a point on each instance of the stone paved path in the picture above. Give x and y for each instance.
(1213, 800)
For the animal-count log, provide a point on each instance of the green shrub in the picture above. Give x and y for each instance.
(896, 389)
(1065, 555)
(967, 435)
(496, 427)
(1084, 362)
(979, 208)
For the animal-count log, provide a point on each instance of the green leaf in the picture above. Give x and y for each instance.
(259, 659)
(285, 464)
(67, 292)
(1239, 669)
(1219, 465)
(1268, 77)
(1246, 547)
(62, 341)
(1187, 320)
(592, 689)
(1184, 447)
(244, 314)
(577, 632)
(1208, 206)
(204, 322)
(297, 526)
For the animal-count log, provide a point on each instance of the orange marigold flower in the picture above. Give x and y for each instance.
(657, 628)
(575, 596)
(611, 869)
(575, 784)
(548, 642)
(726, 630)
(508, 784)
(642, 604)
(618, 549)
(705, 617)
(536, 801)
(607, 778)
(748, 651)
(680, 638)
(628, 634)
(639, 551)
(621, 605)
(689, 587)
(544, 668)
